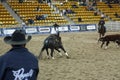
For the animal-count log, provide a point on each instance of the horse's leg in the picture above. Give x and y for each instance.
(40, 55)
(102, 44)
(103, 34)
(118, 43)
(99, 35)
(64, 51)
(104, 31)
(52, 50)
(58, 51)
(107, 43)
(47, 53)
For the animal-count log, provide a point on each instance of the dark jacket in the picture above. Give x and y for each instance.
(101, 22)
(18, 64)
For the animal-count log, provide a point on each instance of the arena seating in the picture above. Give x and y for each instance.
(80, 12)
(27, 10)
(109, 11)
(5, 18)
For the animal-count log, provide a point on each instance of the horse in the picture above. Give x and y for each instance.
(106, 39)
(101, 30)
(52, 42)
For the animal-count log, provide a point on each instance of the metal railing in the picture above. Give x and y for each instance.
(113, 25)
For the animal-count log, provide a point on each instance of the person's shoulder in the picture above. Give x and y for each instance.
(4, 56)
(32, 56)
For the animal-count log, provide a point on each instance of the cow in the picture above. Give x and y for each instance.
(108, 38)
(52, 42)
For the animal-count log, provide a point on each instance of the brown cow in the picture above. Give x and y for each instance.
(108, 38)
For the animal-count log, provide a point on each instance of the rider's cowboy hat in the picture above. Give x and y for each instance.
(17, 38)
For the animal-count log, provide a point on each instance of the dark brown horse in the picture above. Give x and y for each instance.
(101, 30)
(52, 42)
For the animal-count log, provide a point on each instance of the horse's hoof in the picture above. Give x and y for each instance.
(67, 57)
(53, 58)
(105, 47)
(118, 46)
(48, 57)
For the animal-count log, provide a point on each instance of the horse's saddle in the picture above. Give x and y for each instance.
(52, 39)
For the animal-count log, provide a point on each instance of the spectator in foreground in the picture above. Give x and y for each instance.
(18, 63)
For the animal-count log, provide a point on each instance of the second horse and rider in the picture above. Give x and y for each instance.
(106, 38)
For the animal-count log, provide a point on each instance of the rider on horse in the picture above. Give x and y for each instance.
(55, 29)
(101, 27)
(101, 24)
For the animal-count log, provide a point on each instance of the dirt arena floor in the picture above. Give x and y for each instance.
(87, 60)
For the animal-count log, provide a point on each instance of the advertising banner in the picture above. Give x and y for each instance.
(48, 29)
(63, 29)
(74, 28)
(8, 31)
(31, 30)
(91, 27)
(44, 29)
(0, 32)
